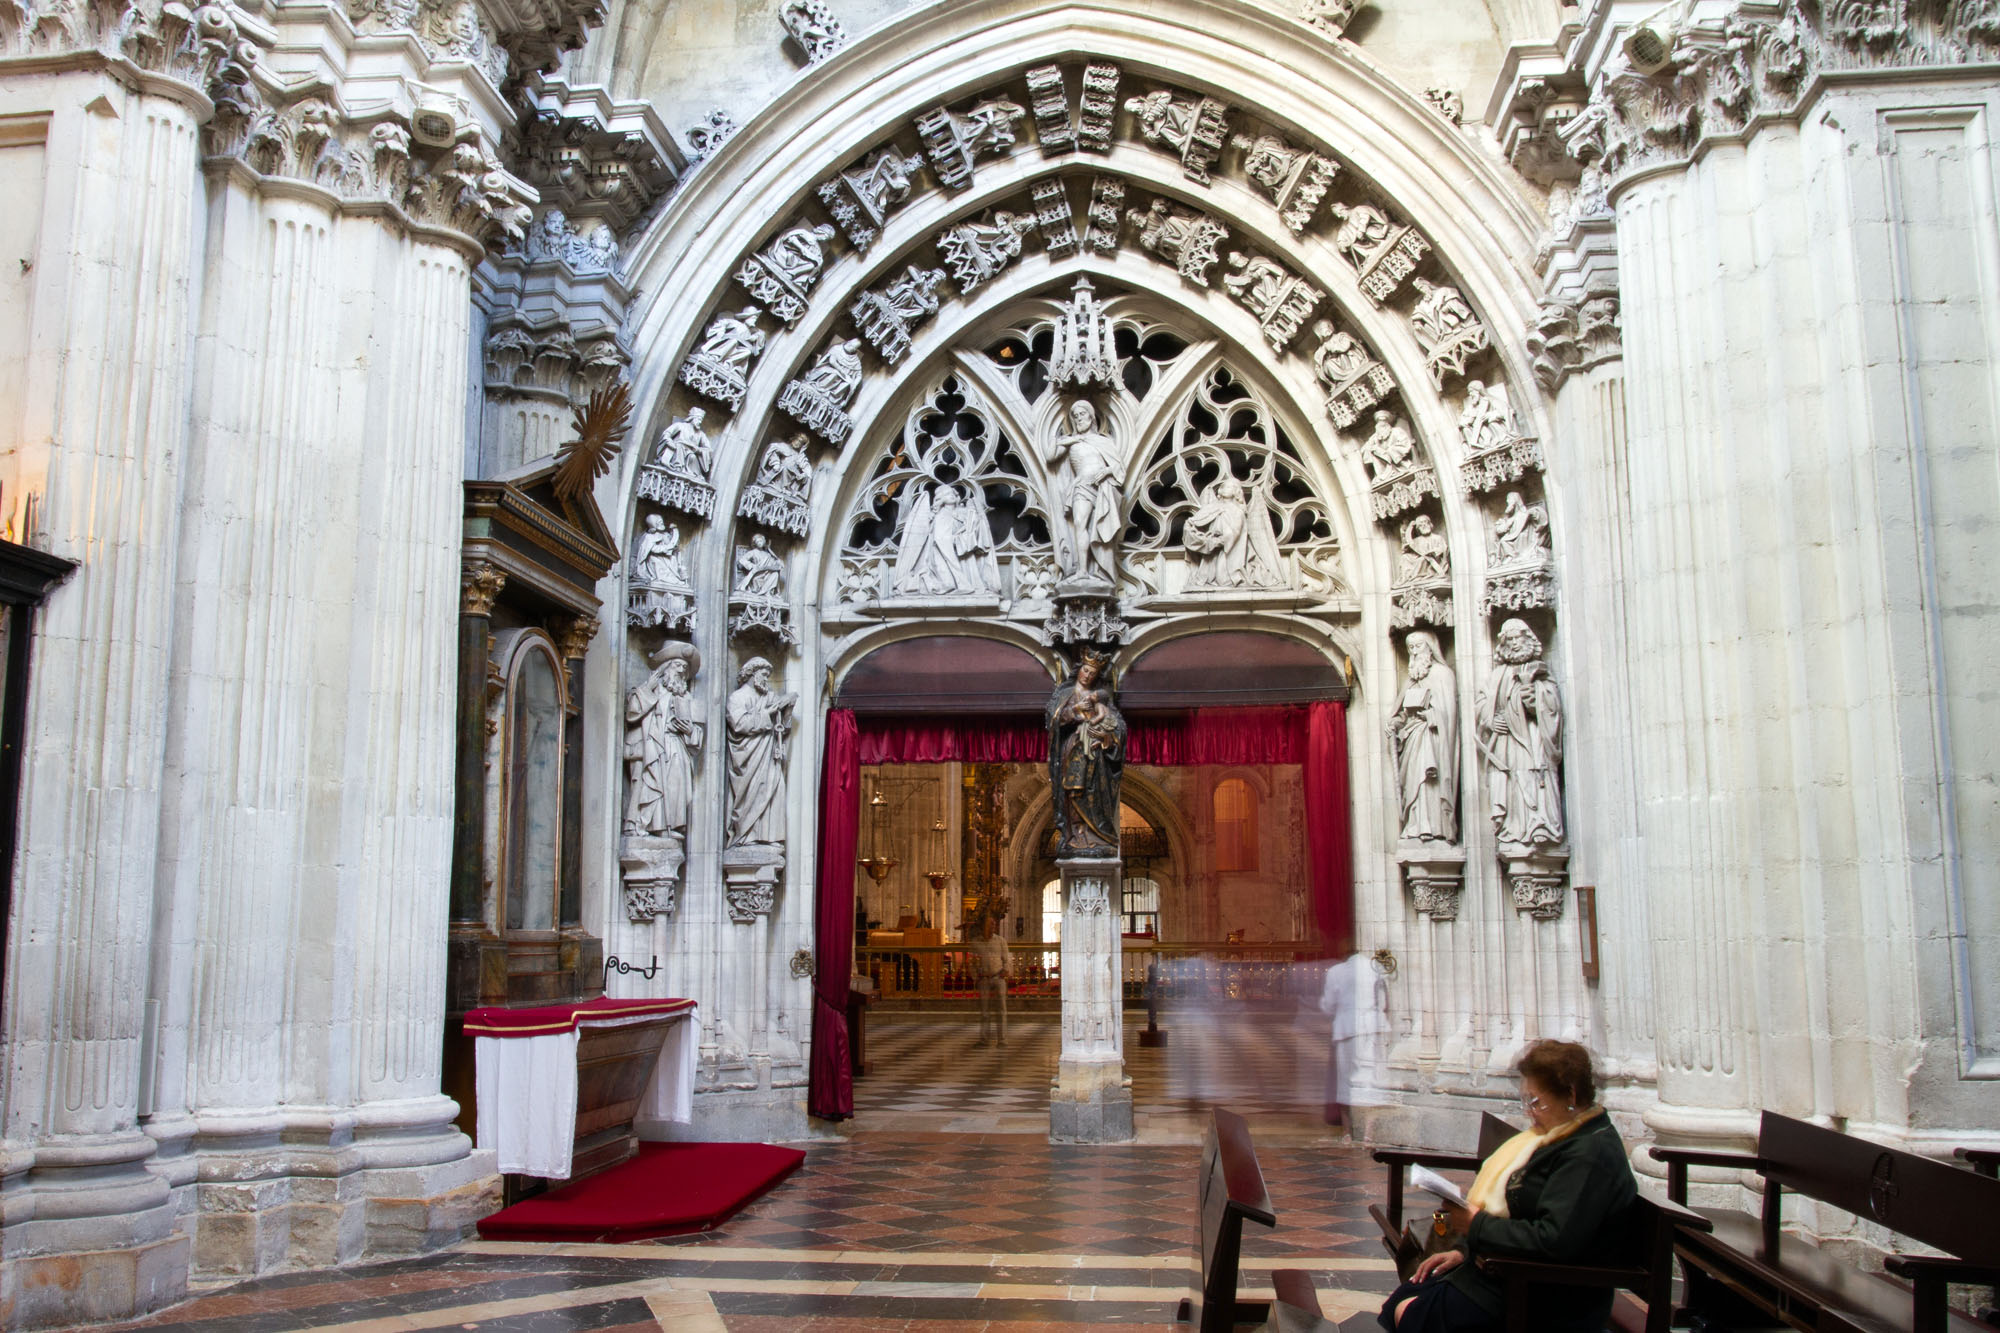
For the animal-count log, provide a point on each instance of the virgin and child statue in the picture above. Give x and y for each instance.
(1086, 760)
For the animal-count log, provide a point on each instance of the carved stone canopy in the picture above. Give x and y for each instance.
(592, 157)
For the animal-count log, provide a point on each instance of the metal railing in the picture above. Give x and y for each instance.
(1264, 972)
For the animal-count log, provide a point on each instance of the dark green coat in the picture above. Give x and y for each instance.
(1562, 1208)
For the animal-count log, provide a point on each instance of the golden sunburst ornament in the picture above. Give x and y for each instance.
(599, 426)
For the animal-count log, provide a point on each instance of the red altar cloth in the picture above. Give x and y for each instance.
(548, 1020)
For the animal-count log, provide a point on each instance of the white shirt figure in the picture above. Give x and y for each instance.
(1356, 997)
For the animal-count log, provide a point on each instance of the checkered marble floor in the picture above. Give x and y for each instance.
(1255, 1062)
(950, 1233)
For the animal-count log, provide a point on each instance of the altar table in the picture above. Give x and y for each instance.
(528, 1063)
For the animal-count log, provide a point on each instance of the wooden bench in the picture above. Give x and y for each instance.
(1747, 1264)
(1641, 1274)
(1645, 1255)
(1297, 1308)
(1986, 1161)
(1405, 1247)
(1231, 1191)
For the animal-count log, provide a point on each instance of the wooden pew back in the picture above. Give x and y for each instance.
(1943, 1206)
(1230, 1191)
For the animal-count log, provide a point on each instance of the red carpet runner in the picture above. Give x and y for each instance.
(668, 1189)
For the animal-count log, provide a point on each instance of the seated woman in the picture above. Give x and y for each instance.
(1549, 1193)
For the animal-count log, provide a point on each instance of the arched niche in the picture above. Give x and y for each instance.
(939, 673)
(1230, 667)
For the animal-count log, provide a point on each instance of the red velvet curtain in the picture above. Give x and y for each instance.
(1171, 740)
(1314, 736)
(920, 739)
(1329, 836)
(830, 1080)
(1218, 736)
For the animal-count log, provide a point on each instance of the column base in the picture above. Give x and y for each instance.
(89, 1233)
(1090, 1103)
(86, 1286)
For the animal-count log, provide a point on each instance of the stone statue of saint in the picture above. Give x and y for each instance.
(684, 449)
(989, 127)
(1092, 510)
(760, 719)
(1269, 160)
(662, 739)
(1440, 315)
(785, 469)
(1391, 448)
(800, 253)
(731, 340)
(946, 546)
(1522, 534)
(1487, 419)
(1423, 739)
(1426, 554)
(837, 373)
(914, 295)
(1520, 744)
(1229, 539)
(657, 558)
(1340, 358)
(1086, 760)
(883, 180)
(976, 250)
(1363, 231)
(759, 572)
(1216, 536)
(1161, 116)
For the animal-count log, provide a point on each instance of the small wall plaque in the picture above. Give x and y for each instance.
(1586, 930)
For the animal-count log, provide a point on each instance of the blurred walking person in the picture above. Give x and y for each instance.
(1356, 997)
(990, 964)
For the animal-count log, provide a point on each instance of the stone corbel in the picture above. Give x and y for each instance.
(1536, 110)
(1539, 882)
(1329, 17)
(536, 33)
(1083, 620)
(651, 869)
(751, 877)
(1435, 873)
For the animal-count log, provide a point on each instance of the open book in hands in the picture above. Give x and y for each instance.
(1426, 1179)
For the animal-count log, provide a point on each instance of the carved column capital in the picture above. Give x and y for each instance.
(573, 636)
(456, 194)
(479, 583)
(197, 46)
(1573, 336)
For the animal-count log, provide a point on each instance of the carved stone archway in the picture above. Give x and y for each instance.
(1415, 269)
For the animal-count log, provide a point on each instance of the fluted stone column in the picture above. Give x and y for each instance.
(1785, 316)
(1092, 1099)
(310, 760)
(85, 1228)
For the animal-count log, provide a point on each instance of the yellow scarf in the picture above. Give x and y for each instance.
(1489, 1188)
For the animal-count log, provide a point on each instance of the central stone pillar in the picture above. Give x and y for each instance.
(1091, 1101)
